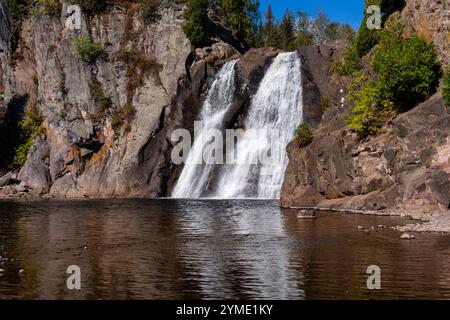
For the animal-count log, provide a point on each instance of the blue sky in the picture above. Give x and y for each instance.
(343, 11)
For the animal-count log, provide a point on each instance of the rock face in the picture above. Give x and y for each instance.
(430, 19)
(406, 167)
(107, 123)
(5, 70)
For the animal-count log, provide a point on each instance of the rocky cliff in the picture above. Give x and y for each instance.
(405, 169)
(107, 122)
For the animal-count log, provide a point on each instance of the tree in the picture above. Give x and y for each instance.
(287, 31)
(270, 29)
(366, 39)
(345, 32)
(196, 16)
(303, 36)
(446, 87)
(241, 16)
(322, 28)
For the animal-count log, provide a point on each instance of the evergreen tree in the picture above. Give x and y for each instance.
(241, 16)
(271, 38)
(287, 31)
(196, 18)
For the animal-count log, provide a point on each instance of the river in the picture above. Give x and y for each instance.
(195, 249)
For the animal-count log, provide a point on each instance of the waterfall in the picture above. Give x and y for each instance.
(195, 177)
(276, 110)
(260, 157)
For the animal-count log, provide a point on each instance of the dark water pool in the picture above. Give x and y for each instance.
(173, 249)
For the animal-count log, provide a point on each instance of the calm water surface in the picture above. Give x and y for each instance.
(182, 249)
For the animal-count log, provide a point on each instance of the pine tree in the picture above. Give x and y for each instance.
(287, 31)
(270, 29)
(196, 18)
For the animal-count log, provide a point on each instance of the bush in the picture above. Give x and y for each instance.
(122, 117)
(446, 88)
(407, 70)
(348, 64)
(30, 127)
(366, 39)
(92, 7)
(196, 18)
(50, 7)
(87, 50)
(304, 135)
(324, 103)
(370, 111)
(150, 10)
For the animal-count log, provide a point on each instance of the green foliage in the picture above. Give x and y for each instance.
(348, 64)
(87, 50)
(304, 135)
(92, 7)
(287, 31)
(240, 15)
(29, 128)
(196, 19)
(150, 10)
(370, 110)
(122, 117)
(102, 101)
(366, 39)
(19, 8)
(407, 69)
(446, 87)
(50, 7)
(324, 103)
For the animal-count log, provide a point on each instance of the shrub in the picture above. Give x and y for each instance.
(370, 111)
(348, 64)
(30, 127)
(87, 50)
(50, 7)
(324, 103)
(92, 7)
(196, 18)
(407, 70)
(446, 88)
(366, 39)
(150, 10)
(122, 117)
(102, 101)
(304, 135)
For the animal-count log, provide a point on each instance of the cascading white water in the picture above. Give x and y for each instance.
(194, 179)
(272, 118)
(276, 110)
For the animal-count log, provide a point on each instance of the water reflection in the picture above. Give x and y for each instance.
(163, 249)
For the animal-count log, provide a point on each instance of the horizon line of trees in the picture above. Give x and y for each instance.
(246, 21)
